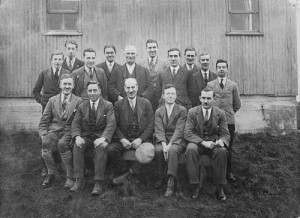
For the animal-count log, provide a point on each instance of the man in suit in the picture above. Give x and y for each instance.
(207, 134)
(153, 64)
(55, 130)
(89, 73)
(201, 77)
(71, 62)
(190, 55)
(92, 128)
(130, 70)
(228, 100)
(135, 119)
(169, 126)
(176, 75)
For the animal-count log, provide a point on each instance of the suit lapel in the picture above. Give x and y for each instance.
(164, 116)
(70, 106)
(199, 79)
(139, 109)
(124, 71)
(178, 76)
(57, 105)
(100, 110)
(125, 109)
(200, 119)
(173, 114)
(50, 74)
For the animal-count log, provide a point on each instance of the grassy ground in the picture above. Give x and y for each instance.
(267, 168)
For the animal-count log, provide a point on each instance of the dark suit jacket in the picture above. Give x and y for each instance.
(181, 81)
(171, 131)
(77, 64)
(195, 68)
(52, 117)
(227, 99)
(159, 66)
(193, 131)
(104, 66)
(105, 120)
(49, 84)
(145, 118)
(78, 76)
(199, 84)
(117, 79)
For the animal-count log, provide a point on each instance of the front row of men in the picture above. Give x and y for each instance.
(110, 131)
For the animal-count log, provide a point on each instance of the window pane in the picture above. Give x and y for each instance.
(62, 6)
(244, 5)
(70, 21)
(62, 21)
(54, 21)
(246, 22)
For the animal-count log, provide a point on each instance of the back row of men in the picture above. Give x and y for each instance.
(153, 80)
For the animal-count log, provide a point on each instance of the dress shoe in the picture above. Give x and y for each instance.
(158, 183)
(69, 183)
(48, 180)
(171, 187)
(119, 180)
(196, 191)
(78, 186)
(231, 177)
(98, 188)
(220, 195)
(44, 172)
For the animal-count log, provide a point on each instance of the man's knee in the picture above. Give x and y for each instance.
(158, 149)
(63, 146)
(174, 150)
(46, 153)
(220, 153)
(191, 149)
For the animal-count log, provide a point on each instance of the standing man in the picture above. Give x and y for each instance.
(228, 100)
(92, 128)
(89, 73)
(71, 62)
(176, 75)
(134, 130)
(201, 77)
(55, 130)
(130, 70)
(190, 55)
(169, 126)
(153, 64)
(207, 134)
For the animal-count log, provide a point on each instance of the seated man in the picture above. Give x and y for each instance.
(55, 129)
(207, 133)
(134, 116)
(169, 126)
(92, 128)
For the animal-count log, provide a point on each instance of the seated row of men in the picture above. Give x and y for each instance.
(129, 124)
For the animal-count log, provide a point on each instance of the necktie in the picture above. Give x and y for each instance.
(91, 73)
(189, 67)
(110, 66)
(151, 66)
(64, 103)
(205, 77)
(94, 108)
(132, 105)
(70, 64)
(56, 74)
(206, 116)
(169, 111)
(173, 72)
(221, 84)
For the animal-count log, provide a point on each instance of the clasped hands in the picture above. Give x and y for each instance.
(134, 144)
(166, 148)
(99, 141)
(212, 145)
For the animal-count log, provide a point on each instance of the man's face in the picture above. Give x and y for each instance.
(131, 88)
(152, 49)
(170, 95)
(89, 59)
(57, 61)
(204, 62)
(222, 69)
(207, 99)
(174, 58)
(71, 50)
(190, 57)
(66, 85)
(110, 54)
(93, 92)
(130, 55)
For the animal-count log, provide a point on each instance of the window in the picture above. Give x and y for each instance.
(63, 17)
(243, 17)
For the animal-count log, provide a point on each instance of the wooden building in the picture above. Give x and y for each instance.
(257, 37)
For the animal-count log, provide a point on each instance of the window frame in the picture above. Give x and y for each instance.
(242, 12)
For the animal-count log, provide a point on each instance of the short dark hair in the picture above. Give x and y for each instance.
(221, 61)
(206, 89)
(56, 52)
(203, 54)
(190, 49)
(151, 41)
(168, 86)
(88, 50)
(174, 49)
(110, 46)
(66, 76)
(93, 83)
(71, 42)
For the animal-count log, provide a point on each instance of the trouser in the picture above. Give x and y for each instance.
(100, 158)
(173, 157)
(231, 128)
(219, 158)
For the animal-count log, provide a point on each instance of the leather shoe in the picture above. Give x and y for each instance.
(220, 195)
(231, 177)
(196, 191)
(158, 183)
(98, 189)
(48, 180)
(78, 186)
(119, 180)
(171, 187)
(69, 183)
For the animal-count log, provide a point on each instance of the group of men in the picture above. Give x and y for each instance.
(111, 108)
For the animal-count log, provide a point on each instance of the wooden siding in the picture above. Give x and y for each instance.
(263, 65)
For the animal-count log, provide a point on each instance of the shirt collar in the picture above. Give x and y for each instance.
(108, 63)
(62, 97)
(224, 80)
(87, 69)
(192, 66)
(68, 59)
(154, 59)
(176, 68)
(96, 103)
(170, 106)
(133, 100)
(204, 111)
(54, 69)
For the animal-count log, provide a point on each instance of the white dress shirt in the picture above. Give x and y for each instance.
(130, 68)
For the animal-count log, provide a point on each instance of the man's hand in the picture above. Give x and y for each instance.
(208, 144)
(166, 149)
(120, 97)
(126, 144)
(136, 143)
(79, 141)
(99, 141)
(220, 143)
